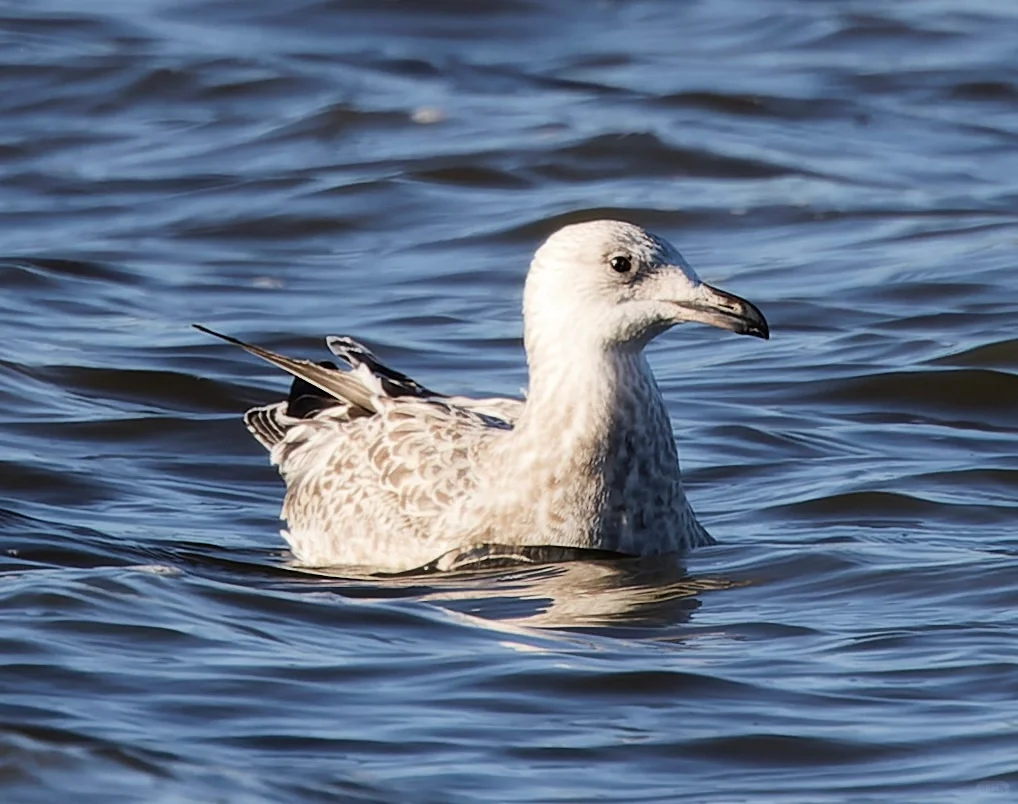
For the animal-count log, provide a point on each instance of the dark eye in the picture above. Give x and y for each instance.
(622, 264)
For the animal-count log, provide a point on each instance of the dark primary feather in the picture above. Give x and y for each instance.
(305, 399)
(337, 383)
(395, 383)
(321, 386)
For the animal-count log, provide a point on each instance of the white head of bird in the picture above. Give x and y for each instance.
(611, 287)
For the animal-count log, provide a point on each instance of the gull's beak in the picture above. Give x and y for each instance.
(724, 310)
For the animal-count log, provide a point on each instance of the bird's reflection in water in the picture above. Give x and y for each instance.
(554, 588)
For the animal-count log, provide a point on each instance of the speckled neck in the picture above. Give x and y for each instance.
(602, 429)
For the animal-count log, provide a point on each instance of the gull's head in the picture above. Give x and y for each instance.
(612, 284)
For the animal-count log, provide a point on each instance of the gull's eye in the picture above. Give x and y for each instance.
(622, 264)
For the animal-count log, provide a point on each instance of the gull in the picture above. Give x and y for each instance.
(385, 474)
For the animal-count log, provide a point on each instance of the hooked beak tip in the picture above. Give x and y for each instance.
(725, 310)
(758, 328)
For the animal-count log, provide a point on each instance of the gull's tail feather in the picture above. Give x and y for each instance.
(269, 424)
(340, 384)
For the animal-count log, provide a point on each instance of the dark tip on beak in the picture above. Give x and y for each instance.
(755, 323)
(728, 311)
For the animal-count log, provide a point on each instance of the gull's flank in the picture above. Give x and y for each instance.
(385, 474)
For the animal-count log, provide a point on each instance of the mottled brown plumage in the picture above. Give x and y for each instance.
(384, 473)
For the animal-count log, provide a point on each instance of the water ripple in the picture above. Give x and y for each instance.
(385, 169)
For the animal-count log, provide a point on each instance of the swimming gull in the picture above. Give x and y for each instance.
(386, 474)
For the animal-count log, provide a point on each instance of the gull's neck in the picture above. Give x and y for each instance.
(603, 388)
(599, 433)
(599, 411)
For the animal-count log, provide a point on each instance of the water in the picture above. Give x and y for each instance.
(285, 171)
